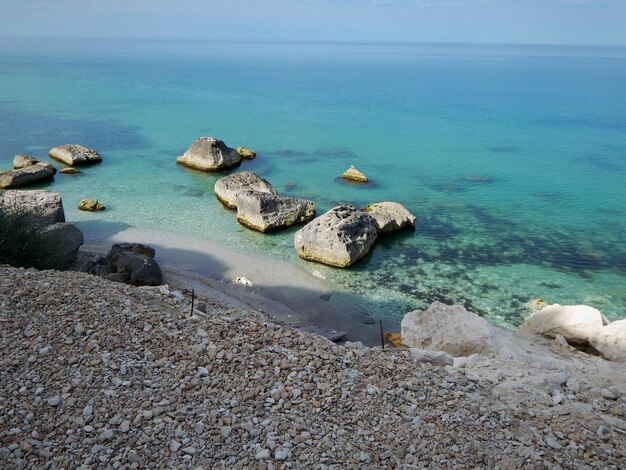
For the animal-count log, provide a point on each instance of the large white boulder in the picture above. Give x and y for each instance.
(449, 328)
(209, 154)
(611, 341)
(74, 154)
(43, 205)
(227, 188)
(576, 323)
(390, 217)
(266, 212)
(340, 237)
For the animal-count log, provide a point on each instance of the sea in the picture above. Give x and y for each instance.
(512, 157)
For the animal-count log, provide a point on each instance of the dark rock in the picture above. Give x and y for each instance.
(141, 270)
(119, 248)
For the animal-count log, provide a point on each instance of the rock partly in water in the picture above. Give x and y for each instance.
(227, 188)
(340, 237)
(24, 161)
(610, 341)
(246, 154)
(390, 217)
(42, 205)
(209, 154)
(63, 241)
(69, 171)
(266, 212)
(74, 154)
(90, 205)
(449, 328)
(353, 174)
(576, 323)
(24, 176)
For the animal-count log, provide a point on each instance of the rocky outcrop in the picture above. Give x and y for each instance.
(266, 212)
(74, 154)
(353, 174)
(576, 323)
(390, 217)
(209, 154)
(449, 328)
(63, 241)
(141, 270)
(24, 176)
(227, 188)
(90, 205)
(44, 206)
(246, 154)
(24, 161)
(610, 341)
(340, 237)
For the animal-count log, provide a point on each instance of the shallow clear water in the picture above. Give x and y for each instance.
(512, 158)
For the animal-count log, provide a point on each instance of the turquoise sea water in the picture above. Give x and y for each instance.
(512, 158)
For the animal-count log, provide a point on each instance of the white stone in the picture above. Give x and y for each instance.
(610, 341)
(576, 323)
(437, 358)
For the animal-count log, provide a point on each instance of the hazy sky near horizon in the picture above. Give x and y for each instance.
(491, 21)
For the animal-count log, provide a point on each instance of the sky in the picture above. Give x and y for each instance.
(452, 21)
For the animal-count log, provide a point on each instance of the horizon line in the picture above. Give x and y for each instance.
(392, 42)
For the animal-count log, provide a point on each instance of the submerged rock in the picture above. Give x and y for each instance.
(390, 217)
(209, 154)
(353, 174)
(45, 206)
(69, 171)
(449, 328)
(25, 176)
(74, 154)
(90, 205)
(265, 212)
(246, 154)
(340, 237)
(576, 323)
(610, 341)
(227, 188)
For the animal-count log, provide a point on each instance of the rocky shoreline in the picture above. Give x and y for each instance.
(99, 373)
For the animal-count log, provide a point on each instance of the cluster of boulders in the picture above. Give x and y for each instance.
(344, 235)
(581, 326)
(26, 170)
(456, 332)
(258, 204)
(46, 208)
(129, 263)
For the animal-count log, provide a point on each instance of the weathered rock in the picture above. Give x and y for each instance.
(90, 205)
(610, 341)
(332, 335)
(448, 328)
(74, 154)
(353, 174)
(94, 265)
(118, 248)
(25, 176)
(390, 217)
(63, 240)
(246, 154)
(227, 188)
(142, 270)
(340, 237)
(265, 212)
(43, 205)
(437, 358)
(69, 171)
(209, 154)
(24, 161)
(576, 323)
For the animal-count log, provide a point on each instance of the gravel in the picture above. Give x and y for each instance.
(122, 385)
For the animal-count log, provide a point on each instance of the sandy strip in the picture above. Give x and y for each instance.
(280, 290)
